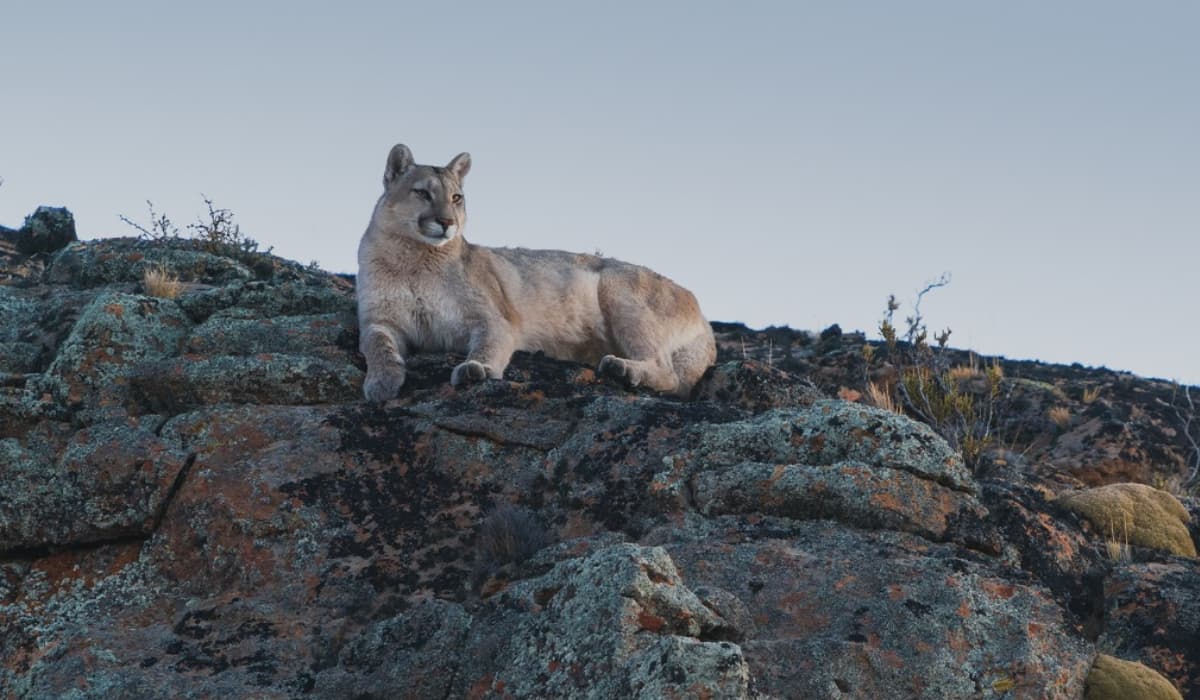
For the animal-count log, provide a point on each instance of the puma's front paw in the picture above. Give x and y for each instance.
(617, 368)
(469, 372)
(383, 384)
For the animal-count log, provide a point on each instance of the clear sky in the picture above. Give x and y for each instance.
(790, 162)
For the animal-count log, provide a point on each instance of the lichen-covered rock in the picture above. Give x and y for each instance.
(1036, 539)
(46, 230)
(109, 480)
(1137, 514)
(232, 333)
(617, 623)
(1152, 615)
(831, 431)
(755, 387)
(1116, 679)
(183, 383)
(413, 655)
(19, 310)
(124, 261)
(846, 613)
(851, 492)
(262, 299)
(114, 333)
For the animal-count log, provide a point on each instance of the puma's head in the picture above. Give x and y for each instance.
(423, 202)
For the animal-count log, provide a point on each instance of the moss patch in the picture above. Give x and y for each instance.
(1142, 514)
(1116, 679)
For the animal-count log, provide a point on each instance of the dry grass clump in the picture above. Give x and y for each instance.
(882, 398)
(1090, 394)
(1060, 416)
(962, 373)
(158, 281)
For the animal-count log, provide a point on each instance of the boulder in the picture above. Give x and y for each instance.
(46, 230)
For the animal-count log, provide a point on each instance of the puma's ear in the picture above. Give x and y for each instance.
(399, 161)
(460, 166)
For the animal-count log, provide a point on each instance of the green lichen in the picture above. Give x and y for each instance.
(1135, 514)
(1116, 679)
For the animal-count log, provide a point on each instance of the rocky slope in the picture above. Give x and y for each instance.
(196, 503)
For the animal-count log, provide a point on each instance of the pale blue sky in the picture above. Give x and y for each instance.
(791, 162)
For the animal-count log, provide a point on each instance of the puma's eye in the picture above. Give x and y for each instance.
(457, 199)
(423, 194)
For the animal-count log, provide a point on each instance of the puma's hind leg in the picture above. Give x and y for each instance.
(633, 373)
(648, 316)
(641, 358)
(692, 359)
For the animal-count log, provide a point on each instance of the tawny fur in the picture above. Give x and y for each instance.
(421, 286)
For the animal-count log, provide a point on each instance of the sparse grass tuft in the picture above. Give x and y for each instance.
(880, 397)
(160, 282)
(1060, 416)
(1118, 549)
(1090, 394)
(963, 373)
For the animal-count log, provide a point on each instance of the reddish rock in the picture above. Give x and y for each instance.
(1152, 614)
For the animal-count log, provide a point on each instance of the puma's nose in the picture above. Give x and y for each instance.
(446, 223)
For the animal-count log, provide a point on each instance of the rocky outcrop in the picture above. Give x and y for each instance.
(197, 503)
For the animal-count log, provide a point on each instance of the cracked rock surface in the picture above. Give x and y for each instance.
(197, 503)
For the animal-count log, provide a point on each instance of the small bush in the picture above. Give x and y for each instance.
(221, 236)
(508, 535)
(161, 229)
(960, 402)
(218, 234)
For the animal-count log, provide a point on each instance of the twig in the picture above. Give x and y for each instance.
(1187, 420)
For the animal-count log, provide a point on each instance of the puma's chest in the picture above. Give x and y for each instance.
(430, 317)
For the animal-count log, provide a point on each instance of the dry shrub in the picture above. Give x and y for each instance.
(960, 403)
(508, 535)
